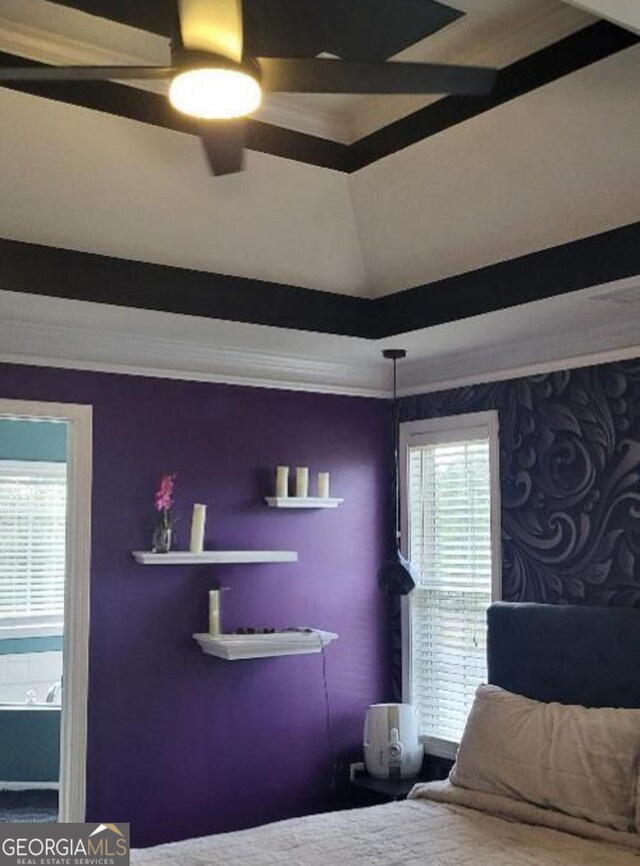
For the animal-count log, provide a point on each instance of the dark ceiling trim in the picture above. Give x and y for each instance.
(574, 52)
(601, 258)
(154, 109)
(59, 273)
(41, 270)
(278, 141)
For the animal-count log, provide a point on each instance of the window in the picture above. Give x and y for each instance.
(450, 521)
(32, 547)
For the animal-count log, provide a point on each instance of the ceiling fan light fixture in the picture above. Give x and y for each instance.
(215, 93)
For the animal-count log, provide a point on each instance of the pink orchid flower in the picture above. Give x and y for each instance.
(163, 500)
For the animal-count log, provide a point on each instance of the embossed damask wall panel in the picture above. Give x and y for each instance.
(570, 480)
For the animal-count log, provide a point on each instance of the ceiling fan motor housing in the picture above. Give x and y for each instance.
(184, 59)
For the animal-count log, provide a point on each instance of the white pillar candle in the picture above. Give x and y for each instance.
(197, 528)
(302, 481)
(282, 482)
(323, 485)
(214, 613)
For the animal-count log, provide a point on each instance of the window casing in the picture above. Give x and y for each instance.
(450, 521)
(33, 512)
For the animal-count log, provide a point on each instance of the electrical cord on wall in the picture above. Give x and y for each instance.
(327, 704)
(327, 701)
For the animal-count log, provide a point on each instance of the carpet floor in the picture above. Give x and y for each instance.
(28, 807)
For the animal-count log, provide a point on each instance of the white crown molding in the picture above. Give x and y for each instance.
(591, 346)
(84, 349)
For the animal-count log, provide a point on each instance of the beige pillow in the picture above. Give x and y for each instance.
(583, 762)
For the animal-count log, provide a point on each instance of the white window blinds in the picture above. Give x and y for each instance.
(450, 544)
(32, 540)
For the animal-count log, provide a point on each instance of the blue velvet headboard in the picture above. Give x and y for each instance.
(573, 655)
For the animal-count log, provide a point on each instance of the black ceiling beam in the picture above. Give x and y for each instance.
(41, 270)
(300, 28)
(570, 54)
(601, 258)
(155, 109)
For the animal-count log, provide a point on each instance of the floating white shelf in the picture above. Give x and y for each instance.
(233, 647)
(214, 557)
(301, 502)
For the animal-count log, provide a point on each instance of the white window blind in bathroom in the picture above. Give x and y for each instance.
(449, 519)
(32, 540)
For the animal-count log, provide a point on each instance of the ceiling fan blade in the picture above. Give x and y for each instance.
(214, 26)
(223, 142)
(344, 76)
(84, 73)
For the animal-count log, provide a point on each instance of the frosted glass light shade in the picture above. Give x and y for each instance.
(215, 94)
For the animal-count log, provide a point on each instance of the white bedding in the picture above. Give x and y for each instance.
(417, 832)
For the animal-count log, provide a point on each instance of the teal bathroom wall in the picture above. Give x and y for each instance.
(33, 440)
(18, 645)
(34, 753)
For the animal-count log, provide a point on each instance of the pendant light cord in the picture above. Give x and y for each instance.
(394, 355)
(396, 577)
(396, 455)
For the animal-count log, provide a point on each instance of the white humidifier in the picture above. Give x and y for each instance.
(392, 749)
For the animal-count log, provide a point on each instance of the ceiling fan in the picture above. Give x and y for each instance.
(212, 79)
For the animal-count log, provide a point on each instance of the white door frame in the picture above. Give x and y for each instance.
(75, 643)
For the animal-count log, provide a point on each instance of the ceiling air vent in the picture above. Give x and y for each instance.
(622, 297)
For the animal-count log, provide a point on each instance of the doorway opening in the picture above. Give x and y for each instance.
(45, 484)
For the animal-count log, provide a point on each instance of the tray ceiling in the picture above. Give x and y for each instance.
(552, 164)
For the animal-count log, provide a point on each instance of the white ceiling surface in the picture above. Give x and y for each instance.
(623, 12)
(596, 324)
(93, 182)
(555, 165)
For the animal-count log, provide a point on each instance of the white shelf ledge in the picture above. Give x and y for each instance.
(214, 557)
(233, 647)
(301, 502)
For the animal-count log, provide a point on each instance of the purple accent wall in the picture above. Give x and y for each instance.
(180, 744)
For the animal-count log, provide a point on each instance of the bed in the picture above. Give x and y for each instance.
(569, 655)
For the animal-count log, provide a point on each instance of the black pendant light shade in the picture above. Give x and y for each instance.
(397, 576)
